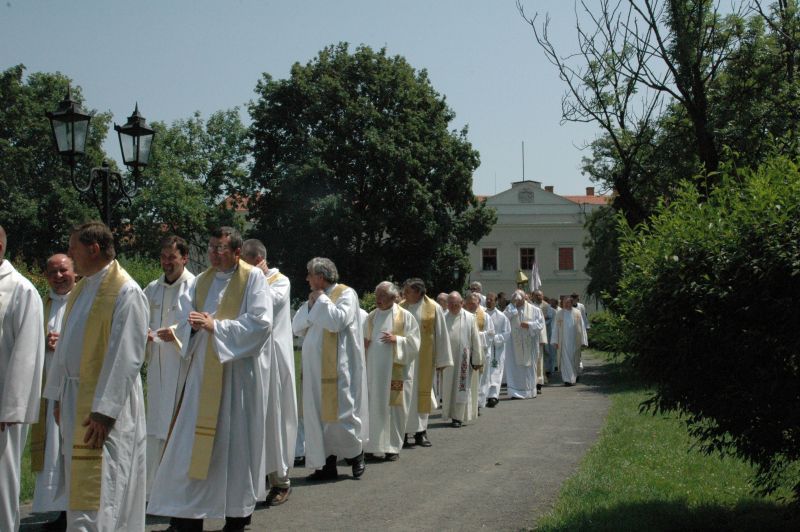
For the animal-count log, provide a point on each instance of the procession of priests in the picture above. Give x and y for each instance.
(226, 414)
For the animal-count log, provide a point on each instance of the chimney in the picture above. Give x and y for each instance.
(590, 191)
(549, 188)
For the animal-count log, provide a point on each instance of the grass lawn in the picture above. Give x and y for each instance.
(641, 476)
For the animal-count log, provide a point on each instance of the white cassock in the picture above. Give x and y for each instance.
(492, 377)
(345, 437)
(442, 358)
(487, 343)
(523, 350)
(281, 400)
(118, 395)
(387, 423)
(166, 369)
(569, 333)
(45, 495)
(21, 366)
(235, 478)
(461, 381)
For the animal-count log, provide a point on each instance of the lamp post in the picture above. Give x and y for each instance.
(70, 126)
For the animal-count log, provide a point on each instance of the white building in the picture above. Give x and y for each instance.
(535, 224)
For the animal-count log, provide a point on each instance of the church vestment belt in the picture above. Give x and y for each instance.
(427, 337)
(39, 429)
(330, 366)
(87, 465)
(398, 329)
(205, 428)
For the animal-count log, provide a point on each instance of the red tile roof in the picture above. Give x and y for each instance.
(592, 200)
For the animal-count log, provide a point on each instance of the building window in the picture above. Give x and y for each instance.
(489, 262)
(527, 256)
(566, 259)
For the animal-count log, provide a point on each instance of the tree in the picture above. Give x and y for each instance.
(38, 199)
(353, 160)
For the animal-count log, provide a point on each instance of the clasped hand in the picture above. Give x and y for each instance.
(201, 320)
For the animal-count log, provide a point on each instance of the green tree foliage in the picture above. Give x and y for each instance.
(195, 165)
(38, 204)
(708, 299)
(353, 160)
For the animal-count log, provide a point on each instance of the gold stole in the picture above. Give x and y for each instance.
(205, 429)
(480, 315)
(87, 463)
(398, 329)
(39, 429)
(427, 330)
(330, 366)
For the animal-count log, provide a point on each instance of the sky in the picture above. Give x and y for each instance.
(175, 57)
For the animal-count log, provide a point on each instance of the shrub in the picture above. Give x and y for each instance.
(143, 270)
(709, 293)
(606, 332)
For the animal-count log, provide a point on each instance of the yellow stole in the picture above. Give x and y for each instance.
(396, 383)
(87, 463)
(330, 366)
(205, 429)
(480, 315)
(427, 333)
(39, 429)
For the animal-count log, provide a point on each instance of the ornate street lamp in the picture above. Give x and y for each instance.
(70, 126)
(135, 140)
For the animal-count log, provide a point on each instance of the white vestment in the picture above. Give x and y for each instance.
(345, 437)
(461, 381)
(487, 343)
(442, 358)
(387, 423)
(166, 370)
(118, 395)
(235, 476)
(45, 495)
(281, 399)
(523, 350)
(569, 333)
(495, 359)
(21, 366)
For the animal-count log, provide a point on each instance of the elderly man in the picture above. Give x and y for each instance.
(95, 379)
(442, 300)
(165, 371)
(486, 333)
(538, 300)
(281, 420)
(569, 335)
(527, 332)
(460, 382)
(335, 410)
(434, 355)
(492, 377)
(45, 443)
(21, 361)
(212, 464)
(476, 288)
(391, 337)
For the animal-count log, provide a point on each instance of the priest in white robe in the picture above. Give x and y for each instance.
(166, 369)
(434, 356)
(95, 379)
(538, 301)
(46, 460)
(391, 337)
(495, 361)
(460, 382)
(212, 464)
(335, 409)
(486, 333)
(569, 334)
(21, 363)
(281, 396)
(527, 333)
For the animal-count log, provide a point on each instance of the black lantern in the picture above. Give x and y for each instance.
(135, 139)
(70, 125)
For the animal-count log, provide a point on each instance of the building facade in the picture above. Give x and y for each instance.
(535, 225)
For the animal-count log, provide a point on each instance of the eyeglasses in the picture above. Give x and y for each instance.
(219, 248)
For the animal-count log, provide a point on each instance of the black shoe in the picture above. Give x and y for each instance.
(300, 461)
(407, 444)
(182, 524)
(456, 424)
(328, 471)
(372, 457)
(277, 496)
(235, 524)
(492, 402)
(58, 524)
(391, 457)
(359, 466)
(421, 439)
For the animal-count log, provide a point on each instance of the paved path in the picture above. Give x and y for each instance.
(500, 473)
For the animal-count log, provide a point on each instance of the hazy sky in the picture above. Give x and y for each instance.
(179, 56)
